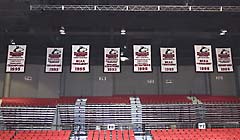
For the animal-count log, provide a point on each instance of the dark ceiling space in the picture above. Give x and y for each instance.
(40, 30)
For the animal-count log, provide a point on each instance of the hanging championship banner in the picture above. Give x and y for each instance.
(224, 60)
(142, 58)
(16, 58)
(80, 58)
(111, 59)
(203, 58)
(54, 60)
(168, 59)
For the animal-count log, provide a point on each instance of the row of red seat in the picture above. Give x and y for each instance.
(6, 135)
(158, 99)
(145, 99)
(197, 134)
(218, 99)
(42, 135)
(113, 135)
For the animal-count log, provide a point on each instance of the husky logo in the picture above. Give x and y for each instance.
(18, 51)
(56, 51)
(55, 54)
(112, 54)
(224, 54)
(204, 51)
(143, 51)
(81, 51)
(169, 53)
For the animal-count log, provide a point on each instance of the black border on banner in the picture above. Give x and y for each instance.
(24, 59)
(119, 60)
(133, 60)
(195, 64)
(217, 61)
(46, 60)
(89, 53)
(159, 51)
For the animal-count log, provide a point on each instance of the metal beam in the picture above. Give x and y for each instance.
(135, 8)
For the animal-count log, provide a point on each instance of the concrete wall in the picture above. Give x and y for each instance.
(2, 69)
(36, 83)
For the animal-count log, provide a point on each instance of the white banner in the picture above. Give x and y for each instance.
(224, 60)
(203, 58)
(16, 58)
(142, 58)
(111, 59)
(54, 60)
(168, 59)
(80, 58)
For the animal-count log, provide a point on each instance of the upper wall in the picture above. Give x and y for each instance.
(36, 83)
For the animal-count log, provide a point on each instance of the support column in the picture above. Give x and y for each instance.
(7, 85)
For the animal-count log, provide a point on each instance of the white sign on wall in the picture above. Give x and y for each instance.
(111, 59)
(54, 60)
(224, 60)
(142, 58)
(80, 58)
(168, 59)
(16, 58)
(203, 58)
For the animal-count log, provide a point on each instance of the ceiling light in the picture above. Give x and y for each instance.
(123, 32)
(62, 30)
(12, 42)
(222, 34)
(124, 58)
(224, 31)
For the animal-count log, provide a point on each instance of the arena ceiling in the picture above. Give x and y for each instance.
(40, 29)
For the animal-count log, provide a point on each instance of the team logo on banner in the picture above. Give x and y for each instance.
(16, 58)
(80, 58)
(54, 60)
(224, 60)
(203, 58)
(142, 58)
(111, 59)
(168, 60)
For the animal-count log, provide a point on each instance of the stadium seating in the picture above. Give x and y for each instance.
(42, 135)
(6, 134)
(164, 99)
(108, 100)
(32, 102)
(28, 117)
(196, 134)
(218, 99)
(110, 134)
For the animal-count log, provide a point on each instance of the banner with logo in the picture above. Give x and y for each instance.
(224, 60)
(80, 58)
(142, 58)
(111, 59)
(54, 60)
(16, 58)
(203, 58)
(168, 59)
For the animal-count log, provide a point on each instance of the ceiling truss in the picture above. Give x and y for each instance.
(135, 8)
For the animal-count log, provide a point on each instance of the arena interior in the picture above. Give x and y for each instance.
(119, 70)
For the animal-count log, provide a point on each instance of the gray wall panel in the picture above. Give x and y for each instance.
(49, 84)
(128, 82)
(77, 84)
(2, 73)
(223, 84)
(23, 87)
(102, 82)
(185, 81)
